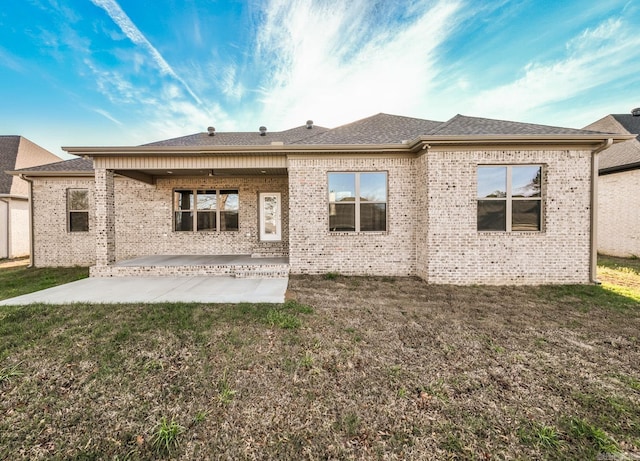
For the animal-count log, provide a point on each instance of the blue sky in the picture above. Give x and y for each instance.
(128, 72)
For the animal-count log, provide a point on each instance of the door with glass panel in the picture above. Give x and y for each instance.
(270, 216)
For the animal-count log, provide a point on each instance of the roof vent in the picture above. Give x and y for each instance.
(309, 124)
(263, 131)
(212, 131)
(636, 112)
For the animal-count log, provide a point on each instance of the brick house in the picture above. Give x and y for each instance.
(17, 152)
(466, 201)
(619, 187)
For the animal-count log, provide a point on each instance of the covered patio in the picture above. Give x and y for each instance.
(237, 266)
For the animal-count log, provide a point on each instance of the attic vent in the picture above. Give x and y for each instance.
(212, 131)
(636, 112)
(263, 131)
(309, 124)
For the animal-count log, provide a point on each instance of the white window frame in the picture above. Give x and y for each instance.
(509, 199)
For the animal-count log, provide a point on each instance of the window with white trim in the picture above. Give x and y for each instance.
(357, 202)
(78, 210)
(509, 198)
(205, 210)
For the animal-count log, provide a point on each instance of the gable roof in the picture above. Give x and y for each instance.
(9, 146)
(622, 156)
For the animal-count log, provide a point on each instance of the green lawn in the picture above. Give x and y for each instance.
(18, 281)
(354, 368)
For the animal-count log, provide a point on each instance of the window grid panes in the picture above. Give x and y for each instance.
(357, 202)
(78, 210)
(205, 210)
(510, 198)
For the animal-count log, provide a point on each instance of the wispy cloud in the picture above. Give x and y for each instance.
(588, 63)
(337, 61)
(127, 26)
(107, 115)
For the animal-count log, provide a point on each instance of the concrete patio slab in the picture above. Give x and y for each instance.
(115, 290)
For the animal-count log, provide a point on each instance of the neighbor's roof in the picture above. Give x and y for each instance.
(9, 146)
(624, 155)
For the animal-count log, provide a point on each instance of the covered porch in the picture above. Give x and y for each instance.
(177, 212)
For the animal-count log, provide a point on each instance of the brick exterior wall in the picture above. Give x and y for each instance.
(459, 254)
(431, 220)
(53, 245)
(144, 220)
(315, 250)
(618, 217)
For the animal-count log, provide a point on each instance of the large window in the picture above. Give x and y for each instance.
(77, 210)
(205, 210)
(358, 202)
(509, 198)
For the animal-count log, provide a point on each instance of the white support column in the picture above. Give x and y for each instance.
(105, 218)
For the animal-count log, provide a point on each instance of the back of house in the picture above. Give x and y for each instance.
(466, 201)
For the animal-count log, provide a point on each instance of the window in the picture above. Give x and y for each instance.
(509, 198)
(358, 202)
(78, 210)
(205, 210)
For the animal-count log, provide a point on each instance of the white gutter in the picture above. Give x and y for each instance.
(594, 209)
(31, 245)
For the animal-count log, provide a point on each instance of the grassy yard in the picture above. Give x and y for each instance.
(354, 368)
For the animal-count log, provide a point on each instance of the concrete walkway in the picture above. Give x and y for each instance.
(110, 290)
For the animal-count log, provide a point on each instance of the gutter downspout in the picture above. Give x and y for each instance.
(8, 225)
(31, 245)
(594, 209)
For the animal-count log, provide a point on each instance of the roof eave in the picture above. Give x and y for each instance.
(232, 150)
(44, 173)
(569, 139)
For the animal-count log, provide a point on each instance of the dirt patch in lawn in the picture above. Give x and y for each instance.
(354, 368)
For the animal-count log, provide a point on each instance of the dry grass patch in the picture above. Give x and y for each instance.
(355, 368)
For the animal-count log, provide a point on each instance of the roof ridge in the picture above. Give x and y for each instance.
(445, 124)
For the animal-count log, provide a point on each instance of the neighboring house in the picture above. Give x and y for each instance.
(467, 201)
(619, 187)
(17, 152)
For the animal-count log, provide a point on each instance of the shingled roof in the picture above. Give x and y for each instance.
(462, 125)
(377, 129)
(244, 138)
(75, 165)
(9, 146)
(624, 155)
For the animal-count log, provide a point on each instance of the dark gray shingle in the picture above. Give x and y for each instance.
(66, 166)
(9, 146)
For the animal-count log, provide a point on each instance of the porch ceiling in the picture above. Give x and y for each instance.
(150, 175)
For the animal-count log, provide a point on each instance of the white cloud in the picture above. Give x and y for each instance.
(133, 33)
(107, 115)
(594, 58)
(337, 61)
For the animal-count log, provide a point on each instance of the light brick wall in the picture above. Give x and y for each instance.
(53, 245)
(618, 216)
(431, 220)
(315, 250)
(143, 220)
(459, 254)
